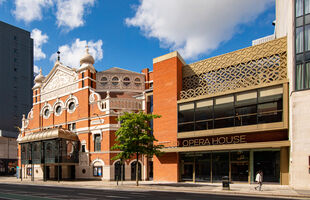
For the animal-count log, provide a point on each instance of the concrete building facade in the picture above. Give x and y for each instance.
(16, 80)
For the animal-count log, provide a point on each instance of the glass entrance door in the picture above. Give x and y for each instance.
(239, 165)
(239, 170)
(203, 168)
(187, 172)
(220, 166)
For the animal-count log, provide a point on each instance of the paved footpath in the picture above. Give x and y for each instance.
(280, 191)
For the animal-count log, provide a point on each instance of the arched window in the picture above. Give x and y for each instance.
(126, 81)
(115, 80)
(104, 81)
(137, 82)
(71, 106)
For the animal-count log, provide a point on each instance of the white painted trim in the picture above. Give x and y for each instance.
(65, 94)
(69, 100)
(45, 107)
(97, 160)
(168, 56)
(116, 162)
(61, 103)
(134, 161)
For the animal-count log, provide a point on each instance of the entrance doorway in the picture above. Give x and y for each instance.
(119, 171)
(220, 166)
(72, 171)
(187, 171)
(133, 171)
(239, 171)
(269, 163)
(58, 176)
(239, 165)
(47, 172)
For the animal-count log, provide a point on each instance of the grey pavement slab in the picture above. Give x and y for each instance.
(214, 188)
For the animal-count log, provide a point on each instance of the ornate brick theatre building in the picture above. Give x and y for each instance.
(223, 116)
(230, 115)
(70, 129)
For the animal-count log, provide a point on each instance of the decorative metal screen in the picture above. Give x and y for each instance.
(261, 65)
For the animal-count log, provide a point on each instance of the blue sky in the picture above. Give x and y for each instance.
(130, 33)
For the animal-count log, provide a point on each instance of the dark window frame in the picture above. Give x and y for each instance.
(302, 58)
(97, 143)
(95, 173)
(252, 118)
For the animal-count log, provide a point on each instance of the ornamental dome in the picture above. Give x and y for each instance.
(87, 58)
(39, 78)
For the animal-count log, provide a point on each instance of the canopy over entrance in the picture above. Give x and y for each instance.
(49, 134)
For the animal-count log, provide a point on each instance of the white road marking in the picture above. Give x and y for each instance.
(119, 197)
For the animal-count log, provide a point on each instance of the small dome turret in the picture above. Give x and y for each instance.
(39, 77)
(38, 80)
(87, 58)
(86, 62)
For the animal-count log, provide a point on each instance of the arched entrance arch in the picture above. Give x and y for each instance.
(133, 170)
(119, 170)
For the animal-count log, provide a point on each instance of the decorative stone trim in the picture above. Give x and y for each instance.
(56, 104)
(69, 100)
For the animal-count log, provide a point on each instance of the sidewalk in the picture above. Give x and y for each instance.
(214, 188)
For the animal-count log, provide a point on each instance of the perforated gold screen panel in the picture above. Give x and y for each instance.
(262, 64)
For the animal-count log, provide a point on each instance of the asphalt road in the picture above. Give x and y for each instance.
(31, 192)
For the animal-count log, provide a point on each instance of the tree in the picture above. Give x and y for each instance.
(134, 138)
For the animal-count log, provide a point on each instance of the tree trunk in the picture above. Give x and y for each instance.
(137, 169)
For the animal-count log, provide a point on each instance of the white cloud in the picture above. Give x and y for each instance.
(38, 39)
(70, 12)
(36, 69)
(30, 10)
(71, 55)
(194, 27)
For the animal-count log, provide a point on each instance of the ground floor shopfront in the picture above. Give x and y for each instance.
(7, 166)
(238, 165)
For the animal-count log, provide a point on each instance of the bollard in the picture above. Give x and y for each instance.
(117, 180)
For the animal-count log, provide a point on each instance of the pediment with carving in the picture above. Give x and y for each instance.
(60, 80)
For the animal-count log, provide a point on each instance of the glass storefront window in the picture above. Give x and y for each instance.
(211, 167)
(240, 109)
(299, 8)
(239, 165)
(224, 113)
(302, 44)
(299, 77)
(186, 117)
(220, 166)
(307, 37)
(269, 163)
(307, 6)
(204, 115)
(299, 40)
(203, 167)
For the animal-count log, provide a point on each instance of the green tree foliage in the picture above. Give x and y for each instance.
(133, 138)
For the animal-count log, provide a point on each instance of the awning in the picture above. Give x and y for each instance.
(257, 145)
(48, 134)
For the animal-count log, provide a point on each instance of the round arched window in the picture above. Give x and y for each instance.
(137, 82)
(46, 112)
(104, 81)
(71, 106)
(114, 80)
(58, 110)
(126, 81)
